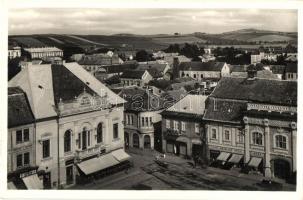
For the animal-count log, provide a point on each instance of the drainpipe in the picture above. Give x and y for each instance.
(58, 140)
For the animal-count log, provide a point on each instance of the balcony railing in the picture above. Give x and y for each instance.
(267, 107)
(91, 151)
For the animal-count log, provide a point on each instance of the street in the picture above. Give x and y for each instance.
(179, 175)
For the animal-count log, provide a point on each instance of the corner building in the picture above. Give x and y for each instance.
(254, 121)
(78, 123)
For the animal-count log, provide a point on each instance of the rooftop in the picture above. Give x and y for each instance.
(257, 90)
(42, 49)
(19, 111)
(202, 66)
(133, 74)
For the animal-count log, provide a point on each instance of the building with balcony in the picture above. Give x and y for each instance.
(182, 128)
(251, 123)
(44, 52)
(78, 123)
(142, 111)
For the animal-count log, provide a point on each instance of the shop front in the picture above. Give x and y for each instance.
(102, 166)
(26, 178)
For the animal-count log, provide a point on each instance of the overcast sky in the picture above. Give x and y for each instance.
(147, 21)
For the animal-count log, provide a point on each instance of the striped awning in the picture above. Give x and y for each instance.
(223, 156)
(120, 155)
(254, 162)
(32, 182)
(96, 164)
(235, 158)
(11, 186)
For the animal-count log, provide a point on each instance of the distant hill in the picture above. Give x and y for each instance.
(258, 35)
(80, 43)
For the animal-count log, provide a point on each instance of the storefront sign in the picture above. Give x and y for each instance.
(29, 173)
(227, 149)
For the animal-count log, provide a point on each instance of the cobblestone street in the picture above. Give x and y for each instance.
(179, 175)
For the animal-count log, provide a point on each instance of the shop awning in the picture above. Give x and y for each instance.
(182, 139)
(120, 155)
(223, 156)
(254, 162)
(196, 141)
(96, 164)
(235, 158)
(11, 186)
(32, 182)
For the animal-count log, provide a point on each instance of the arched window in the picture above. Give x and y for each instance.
(201, 76)
(257, 138)
(99, 133)
(67, 141)
(281, 141)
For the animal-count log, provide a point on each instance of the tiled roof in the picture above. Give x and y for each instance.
(202, 66)
(157, 66)
(155, 73)
(19, 111)
(191, 103)
(99, 59)
(118, 68)
(133, 74)
(173, 95)
(66, 85)
(257, 90)
(291, 68)
(226, 110)
(139, 100)
(46, 84)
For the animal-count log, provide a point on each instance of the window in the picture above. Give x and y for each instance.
(215, 105)
(19, 136)
(146, 121)
(132, 120)
(280, 141)
(183, 126)
(19, 160)
(226, 135)
(22, 135)
(67, 141)
(151, 121)
(176, 125)
(257, 138)
(26, 135)
(195, 76)
(197, 128)
(45, 148)
(115, 130)
(201, 75)
(142, 121)
(213, 133)
(99, 133)
(167, 123)
(85, 101)
(26, 158)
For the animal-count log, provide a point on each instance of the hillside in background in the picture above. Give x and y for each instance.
(80, 43)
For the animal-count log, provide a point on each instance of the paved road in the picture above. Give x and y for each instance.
(179, 174)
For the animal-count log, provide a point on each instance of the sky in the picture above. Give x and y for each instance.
(105, 21)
